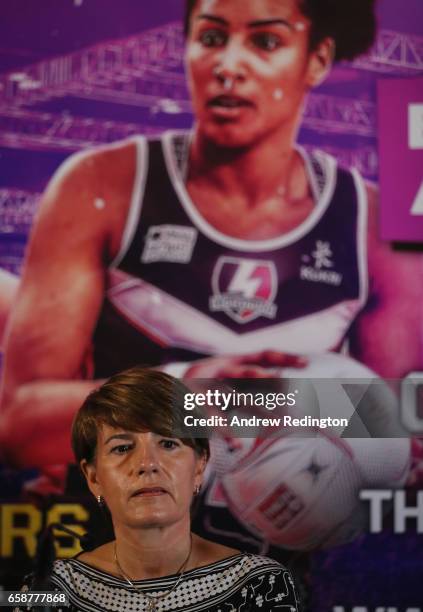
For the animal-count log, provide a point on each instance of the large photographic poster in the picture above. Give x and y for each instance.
(77, 74)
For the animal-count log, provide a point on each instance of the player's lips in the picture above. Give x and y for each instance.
(228, 106)
(149, 492)
(229, 102)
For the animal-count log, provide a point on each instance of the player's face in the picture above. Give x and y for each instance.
(249, 67)
(147, 480)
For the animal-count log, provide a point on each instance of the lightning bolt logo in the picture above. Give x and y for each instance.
(244, 289)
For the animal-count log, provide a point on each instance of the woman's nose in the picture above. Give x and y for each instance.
(146, 457)
(231, 63)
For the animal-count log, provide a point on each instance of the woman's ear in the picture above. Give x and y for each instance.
(321, 61)
(90, 472)
(200, 467)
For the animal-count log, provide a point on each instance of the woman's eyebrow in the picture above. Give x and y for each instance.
(252, 24)
(266, 22)
(214, 18)
(122, 436)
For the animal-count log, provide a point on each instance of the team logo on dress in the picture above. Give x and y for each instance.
(173, 243)
(244, 289)
(319, 265)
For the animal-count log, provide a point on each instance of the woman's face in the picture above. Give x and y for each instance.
(249, 67)
(147, 480)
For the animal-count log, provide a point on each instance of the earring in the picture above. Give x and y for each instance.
(197, 489)
(100, 500)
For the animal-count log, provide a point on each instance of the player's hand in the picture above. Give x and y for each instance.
(264, 364)
(415, 476)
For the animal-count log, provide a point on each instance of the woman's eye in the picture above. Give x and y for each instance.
(213, 38)
(266, 41)
(121, 449)
(169, 444)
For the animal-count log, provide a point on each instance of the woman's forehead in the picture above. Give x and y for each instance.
(105, 431)
(248, 10)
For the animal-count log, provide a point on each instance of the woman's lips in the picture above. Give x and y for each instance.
(228, 107)
(227, 101)
(149, 492)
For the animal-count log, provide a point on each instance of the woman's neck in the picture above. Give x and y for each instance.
(255, 193)
(155, 552)
(253, 174)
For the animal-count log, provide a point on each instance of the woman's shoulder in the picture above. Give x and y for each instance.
(212, 552)
(207, 551)
(270, 583)
(214, 556)
(98, 560)
(252, 580)
(209, 557)
(255, 565)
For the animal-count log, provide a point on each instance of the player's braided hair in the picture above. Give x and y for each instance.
(351, 23)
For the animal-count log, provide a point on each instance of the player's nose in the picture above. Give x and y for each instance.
(231, 62)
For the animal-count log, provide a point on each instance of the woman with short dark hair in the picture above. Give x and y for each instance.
(123, 439)
(139, 398)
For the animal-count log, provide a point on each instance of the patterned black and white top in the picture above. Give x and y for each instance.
(240, 583)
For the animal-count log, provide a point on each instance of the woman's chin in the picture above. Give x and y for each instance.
(230, 136)
(150, 521)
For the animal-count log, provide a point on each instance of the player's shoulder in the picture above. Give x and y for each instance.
(101, 167)
(92, 189)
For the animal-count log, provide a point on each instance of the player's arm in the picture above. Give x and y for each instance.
(56, 311)
(388, 335)
(8, 288)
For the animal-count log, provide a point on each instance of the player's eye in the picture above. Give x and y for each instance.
(266, 41)
(213, 38)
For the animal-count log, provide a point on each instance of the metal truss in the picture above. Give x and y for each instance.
(394, 52)
(159, 92)
(340, 115)
(34, 130)
(17, 210)
(146, 65)
(146, 70)
(20, 128)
